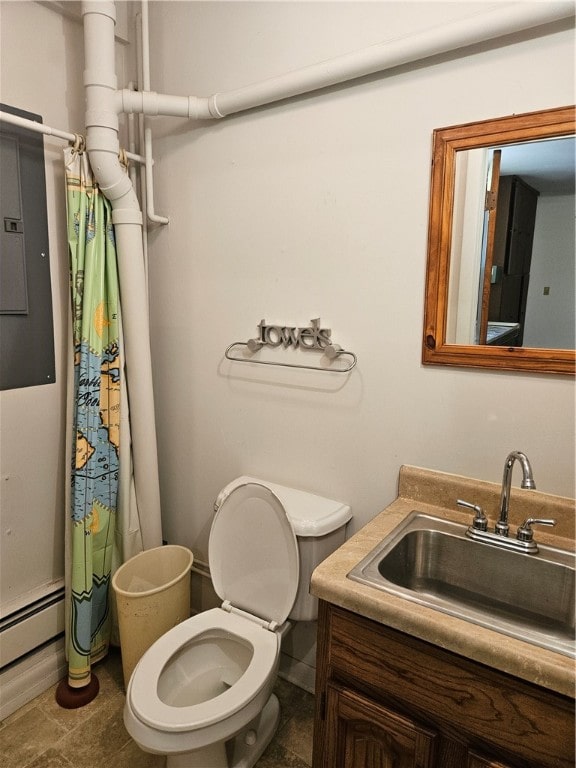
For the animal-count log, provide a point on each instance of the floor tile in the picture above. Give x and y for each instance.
(27, 736)
(52, 758)
(296, 734)
(277, 756)
(43, 735)
(131, 756)
(110, 690)
(99, 739)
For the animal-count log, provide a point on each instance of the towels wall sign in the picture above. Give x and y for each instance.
(310, 338)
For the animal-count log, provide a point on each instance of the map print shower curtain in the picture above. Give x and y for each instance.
(96, 416)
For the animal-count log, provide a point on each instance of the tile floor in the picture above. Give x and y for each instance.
(43, 735)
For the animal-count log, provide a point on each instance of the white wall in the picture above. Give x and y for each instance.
(318, 207)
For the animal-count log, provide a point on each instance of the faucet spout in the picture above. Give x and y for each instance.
(502, 528)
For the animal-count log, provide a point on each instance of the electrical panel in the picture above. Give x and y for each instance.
(26, 323)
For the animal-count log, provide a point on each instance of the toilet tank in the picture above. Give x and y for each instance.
(320, 528)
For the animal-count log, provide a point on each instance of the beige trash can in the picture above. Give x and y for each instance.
(152, 595)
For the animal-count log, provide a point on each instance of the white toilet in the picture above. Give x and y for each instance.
(202, 694)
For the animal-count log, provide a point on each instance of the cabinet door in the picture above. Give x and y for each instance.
(363, 734)
(476, 761)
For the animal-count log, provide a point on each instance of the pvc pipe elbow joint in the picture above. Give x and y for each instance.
(113, 181)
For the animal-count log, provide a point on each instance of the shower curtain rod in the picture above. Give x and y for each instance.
(72, 138)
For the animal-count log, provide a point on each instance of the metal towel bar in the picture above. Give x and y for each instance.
(332, 352)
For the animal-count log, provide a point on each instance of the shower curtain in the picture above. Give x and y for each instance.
(95, 418)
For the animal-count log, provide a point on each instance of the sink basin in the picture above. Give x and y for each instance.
(430, 561)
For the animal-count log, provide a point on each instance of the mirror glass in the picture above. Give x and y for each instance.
(501, 256)
(535, 204)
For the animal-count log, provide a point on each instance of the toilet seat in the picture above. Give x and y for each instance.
(143, 687)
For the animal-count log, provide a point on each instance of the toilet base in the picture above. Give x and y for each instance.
(242, 751)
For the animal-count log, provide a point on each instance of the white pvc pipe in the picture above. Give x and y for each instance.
(141, 118)
(151, 103)
(150, 212)
(485, 25)
(132, 139)
(102, 146)
(378, 58)
(478, 28)
(145, 31)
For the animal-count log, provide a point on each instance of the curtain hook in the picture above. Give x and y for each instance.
(123, 157)
(79, 144)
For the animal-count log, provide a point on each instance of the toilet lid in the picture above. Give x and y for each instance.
(253, 553)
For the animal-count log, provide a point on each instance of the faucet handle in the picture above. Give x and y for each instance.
(525, 532)
(480, 522)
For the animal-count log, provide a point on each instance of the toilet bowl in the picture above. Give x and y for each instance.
(202, 693)
(203, 683)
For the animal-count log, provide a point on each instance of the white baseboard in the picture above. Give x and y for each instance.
(37, 628)
(24, 680)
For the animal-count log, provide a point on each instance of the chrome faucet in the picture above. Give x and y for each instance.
(524, 541)
(502, 528)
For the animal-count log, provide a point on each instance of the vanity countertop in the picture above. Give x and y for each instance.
(435, 493)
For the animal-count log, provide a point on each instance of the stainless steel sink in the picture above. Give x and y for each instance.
(430, 561)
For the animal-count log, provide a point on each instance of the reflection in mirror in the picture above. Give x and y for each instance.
(515, 288)
(500, 284)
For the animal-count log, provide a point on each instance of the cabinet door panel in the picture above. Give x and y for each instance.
(521, 237)
(367, 735)
(476, 761)
(469, 699)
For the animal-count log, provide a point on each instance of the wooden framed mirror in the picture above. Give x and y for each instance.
(500, 273)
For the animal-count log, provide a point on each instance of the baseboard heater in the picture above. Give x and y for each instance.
(31, 626)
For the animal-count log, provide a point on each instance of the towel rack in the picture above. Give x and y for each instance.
(332, 352)
(309, 338)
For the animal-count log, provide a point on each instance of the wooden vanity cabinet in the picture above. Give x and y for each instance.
(385, 699)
